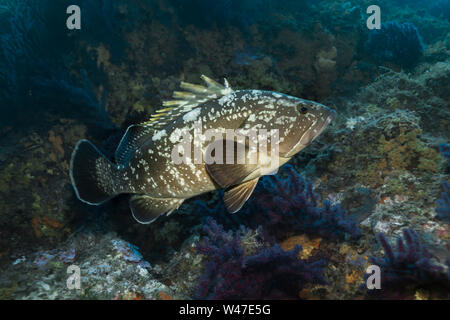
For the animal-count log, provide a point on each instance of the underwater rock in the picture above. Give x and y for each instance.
(325, 60)
(110, 268)
(387, 154)
(423, 92)
(270, 273)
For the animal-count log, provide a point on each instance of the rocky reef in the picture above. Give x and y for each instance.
(379, 176)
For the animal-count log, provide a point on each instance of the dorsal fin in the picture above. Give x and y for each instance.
(134, 137)
(185, 101)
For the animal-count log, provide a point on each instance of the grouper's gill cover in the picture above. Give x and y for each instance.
(144, 163)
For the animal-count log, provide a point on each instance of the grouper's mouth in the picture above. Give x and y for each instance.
(312, 133)
(325, 123)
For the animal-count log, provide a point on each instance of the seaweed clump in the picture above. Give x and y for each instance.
(271, 273)
(398, 43)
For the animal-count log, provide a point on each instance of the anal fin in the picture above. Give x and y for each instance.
(236, 196)
(146, 209)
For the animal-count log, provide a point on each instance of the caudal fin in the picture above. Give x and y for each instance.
(92, 174)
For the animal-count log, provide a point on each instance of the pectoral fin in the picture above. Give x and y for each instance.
(238, 168)
(235, 197)
(146, 209)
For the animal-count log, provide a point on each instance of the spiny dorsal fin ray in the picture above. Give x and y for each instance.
(184, 102)
(197, 94)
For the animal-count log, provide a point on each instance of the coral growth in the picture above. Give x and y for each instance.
(420, 93)
(284, 206)
(271, 273)
(290, 205)
(33, 71)
(440, 8)
(399, 43)
(409, 264)
(404, 150)
(443, 204)
(396, 158)
(444, 148)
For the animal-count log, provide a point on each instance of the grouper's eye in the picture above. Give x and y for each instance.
(302, 109)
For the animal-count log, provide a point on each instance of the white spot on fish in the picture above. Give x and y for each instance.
(175, 135)
(192, 115)
(159, 135)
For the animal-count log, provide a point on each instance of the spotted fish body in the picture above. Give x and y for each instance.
(144, 162)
